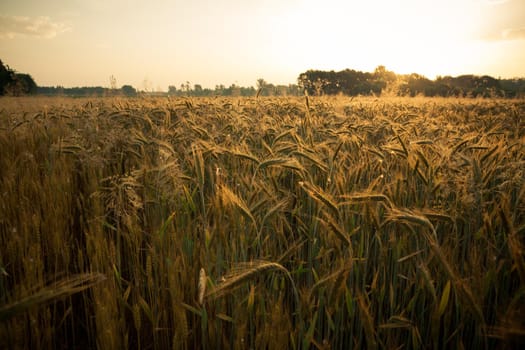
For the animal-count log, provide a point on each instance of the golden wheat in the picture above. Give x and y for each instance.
(262, 223)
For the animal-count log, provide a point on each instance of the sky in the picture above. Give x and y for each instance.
(156, 43)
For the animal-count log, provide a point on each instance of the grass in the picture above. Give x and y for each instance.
(262, 223)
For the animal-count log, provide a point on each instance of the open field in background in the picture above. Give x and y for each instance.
(320, 223)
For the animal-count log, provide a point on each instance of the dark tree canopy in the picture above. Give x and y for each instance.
(7, 77)
(15, 84)
(128, 90)
(26, 83)
(351, 82)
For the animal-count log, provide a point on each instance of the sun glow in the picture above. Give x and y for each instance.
(405, 36)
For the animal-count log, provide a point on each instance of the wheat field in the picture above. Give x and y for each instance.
(262, 223)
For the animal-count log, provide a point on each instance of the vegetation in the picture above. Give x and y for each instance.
(87, 91)
(383, 82)
(347, 82)
(264, 89)
(262, 223)
(15, 84)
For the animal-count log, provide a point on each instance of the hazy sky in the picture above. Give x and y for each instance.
(156, 43)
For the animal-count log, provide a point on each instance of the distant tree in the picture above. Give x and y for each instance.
(281, 90)
(320, 84)
(416, 84)
(513, 87)
(172, 90)
(235, 90)
(351, 82)
(384, 80)
(304, 83)
(248, 91)
(186, 87)
(197, 90)
(262, 87)
(382, 73)
(294, 90)
(128, 90)
(487, 86)
(219, 90)
(261, 83)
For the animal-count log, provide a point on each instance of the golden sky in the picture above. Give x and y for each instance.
(155, 43)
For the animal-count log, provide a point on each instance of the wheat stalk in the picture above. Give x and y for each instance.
(61, 289)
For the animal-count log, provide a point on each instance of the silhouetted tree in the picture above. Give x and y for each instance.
(128, 90)
(261, 83)
(7, 77)
(26, 83)
(197, 90)
(384, 79)
(248, 91)
(172, 90)
(512, 87)
(15, 84)
(262, 87)
(416, 84)
(352, 82)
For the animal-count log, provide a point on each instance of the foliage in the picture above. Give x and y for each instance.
(352, 83)
(87, 91)
(128, 90)
(263, 89)
(6, 77)
(15, 84)
(262, 223)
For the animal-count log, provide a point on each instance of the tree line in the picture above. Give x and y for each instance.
(263, 88)
(87, 91)
(315, 82)
(384, 82)
(15, 84)
(186, 89)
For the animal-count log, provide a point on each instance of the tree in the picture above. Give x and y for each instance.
(262, 87)
(304, 82)
(248, 91)
(197, 89)
(385, 80)
(7, 76)
(128, 90)
(172, 90)
(219, 89)
(261, 83)
(15, 84)
(25, 84)
(235, 90)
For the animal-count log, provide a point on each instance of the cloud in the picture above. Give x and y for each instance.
(40, 27)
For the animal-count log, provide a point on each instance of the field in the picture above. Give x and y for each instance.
(264, 223)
